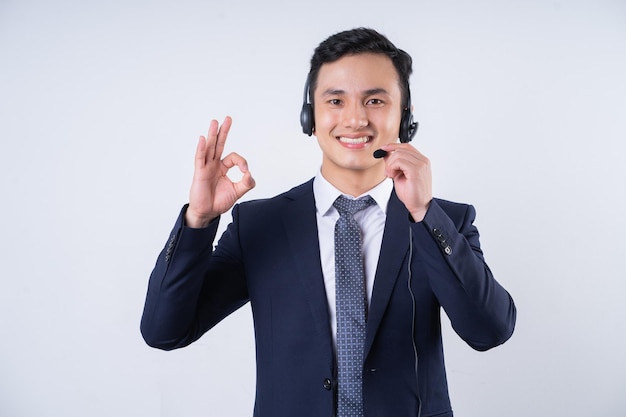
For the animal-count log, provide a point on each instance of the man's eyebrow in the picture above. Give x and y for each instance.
(374, 91)
(333, 92)
(369, 92)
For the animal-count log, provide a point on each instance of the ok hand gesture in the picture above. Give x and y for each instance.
(212, 192)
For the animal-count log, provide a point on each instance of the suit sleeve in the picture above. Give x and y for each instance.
(189, 291)
(481, 311)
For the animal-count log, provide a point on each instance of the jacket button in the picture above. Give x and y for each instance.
(328, 384)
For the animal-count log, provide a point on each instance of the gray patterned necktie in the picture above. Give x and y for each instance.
(350, 299)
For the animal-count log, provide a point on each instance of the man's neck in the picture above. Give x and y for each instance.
(355, 183)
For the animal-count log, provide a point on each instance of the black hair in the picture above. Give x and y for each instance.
(359, 41)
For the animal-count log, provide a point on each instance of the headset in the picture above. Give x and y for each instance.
(408, 126)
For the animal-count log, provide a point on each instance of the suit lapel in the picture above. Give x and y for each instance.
(300, 222)
(301, 230)
(393, 251)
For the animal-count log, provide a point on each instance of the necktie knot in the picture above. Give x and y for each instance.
(349, 206)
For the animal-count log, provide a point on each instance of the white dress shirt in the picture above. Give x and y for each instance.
(372, 223)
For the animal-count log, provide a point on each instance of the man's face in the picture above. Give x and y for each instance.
(358, 106)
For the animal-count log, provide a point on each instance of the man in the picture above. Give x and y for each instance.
(320, 353)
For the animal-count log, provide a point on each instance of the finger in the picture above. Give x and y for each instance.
(399, 168)
(211, 139)
(390, 147)
(405, 162)
(401, 147)
(221, 136)
(386, 150)
(403, 151)
(245, 184)
(234, 159)
(200, 158)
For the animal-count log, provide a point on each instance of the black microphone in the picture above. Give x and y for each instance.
(379, 153)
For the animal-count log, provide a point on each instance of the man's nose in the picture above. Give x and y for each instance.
(355, 116)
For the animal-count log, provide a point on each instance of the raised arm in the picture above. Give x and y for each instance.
(174, 315)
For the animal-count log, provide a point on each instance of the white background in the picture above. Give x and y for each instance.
(522, 106)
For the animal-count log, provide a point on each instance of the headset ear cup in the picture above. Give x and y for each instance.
(307, 116)
(408, 127)
(306, 119)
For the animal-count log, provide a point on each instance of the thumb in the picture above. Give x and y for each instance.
(245, 184)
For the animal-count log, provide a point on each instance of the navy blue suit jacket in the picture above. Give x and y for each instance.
(269, 256)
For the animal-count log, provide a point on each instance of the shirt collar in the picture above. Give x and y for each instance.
(325, 194)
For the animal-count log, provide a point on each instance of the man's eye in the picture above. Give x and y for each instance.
(375, 101)
(334, 101)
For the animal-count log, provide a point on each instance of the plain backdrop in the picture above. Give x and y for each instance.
(522, 110)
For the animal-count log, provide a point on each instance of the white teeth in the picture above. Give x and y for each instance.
(354, 141)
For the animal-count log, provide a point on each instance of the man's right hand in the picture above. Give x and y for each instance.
(212, 192)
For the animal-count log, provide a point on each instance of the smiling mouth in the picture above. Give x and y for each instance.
(354, 141)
